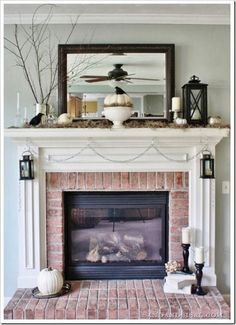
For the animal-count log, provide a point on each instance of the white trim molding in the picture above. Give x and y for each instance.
(100, 150)
(214, 19)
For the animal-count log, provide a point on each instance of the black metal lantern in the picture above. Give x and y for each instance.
(207, 165)
(195, 101)
(26, 165)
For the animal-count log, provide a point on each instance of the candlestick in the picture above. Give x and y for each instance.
(199, 255)
(186, 232)
(185, 268)
(198, 289)
(176, 104)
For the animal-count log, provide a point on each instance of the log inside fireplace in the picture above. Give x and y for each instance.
(115, 235)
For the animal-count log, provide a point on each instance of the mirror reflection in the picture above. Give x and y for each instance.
(91, 77)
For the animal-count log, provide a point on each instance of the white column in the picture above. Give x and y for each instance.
(202, 218)
(29, 231)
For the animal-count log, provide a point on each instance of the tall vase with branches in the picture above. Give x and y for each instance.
(35, 52)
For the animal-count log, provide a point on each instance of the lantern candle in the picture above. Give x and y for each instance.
(199, 255)
(175, 104)
(186, 235)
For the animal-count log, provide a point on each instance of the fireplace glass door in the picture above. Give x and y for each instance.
(115, 234)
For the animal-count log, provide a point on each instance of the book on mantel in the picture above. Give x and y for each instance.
(179, 283)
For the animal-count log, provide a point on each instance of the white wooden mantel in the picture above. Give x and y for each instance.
(97, 150)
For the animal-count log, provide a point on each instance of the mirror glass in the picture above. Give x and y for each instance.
(146, 75)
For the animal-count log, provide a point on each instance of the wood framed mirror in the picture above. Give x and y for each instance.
(87, 73)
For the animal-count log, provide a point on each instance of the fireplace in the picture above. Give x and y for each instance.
(115, 235)
(131, 160)
(119, 197)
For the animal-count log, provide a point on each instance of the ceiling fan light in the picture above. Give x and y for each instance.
(117, 83)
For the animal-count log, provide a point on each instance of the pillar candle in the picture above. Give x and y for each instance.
(175, 104)
(25, 115)
(18, 102)
(199, 255)
(186, 235)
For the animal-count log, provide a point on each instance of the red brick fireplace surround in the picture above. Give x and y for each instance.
(174, 182)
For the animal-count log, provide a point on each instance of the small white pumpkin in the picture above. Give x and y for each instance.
(180, 121)
(64, 119)
(120, 98)
(50, 281)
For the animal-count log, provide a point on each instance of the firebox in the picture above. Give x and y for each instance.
(115, 235)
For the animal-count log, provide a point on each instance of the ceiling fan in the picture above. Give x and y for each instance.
(117, 74)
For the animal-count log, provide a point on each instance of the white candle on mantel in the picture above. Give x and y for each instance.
(18, 102)
(25, 115)
(199, 255)
(186, 233)
(175, 104)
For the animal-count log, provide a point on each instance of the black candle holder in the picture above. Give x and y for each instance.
(198, 289)
(185, 268)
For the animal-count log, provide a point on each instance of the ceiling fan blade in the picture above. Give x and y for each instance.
(89, 76)
(97, 79)
(144, 79)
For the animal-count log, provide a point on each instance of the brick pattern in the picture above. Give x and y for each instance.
(121, 299)
(174, 182)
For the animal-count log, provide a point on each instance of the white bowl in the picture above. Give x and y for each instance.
(118, 114)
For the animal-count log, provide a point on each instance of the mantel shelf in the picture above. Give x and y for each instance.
(76, 134)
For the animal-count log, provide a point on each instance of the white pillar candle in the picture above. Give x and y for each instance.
(18, 102)
(186, 232)
(199, 255)
(25, 115)
(175, 104)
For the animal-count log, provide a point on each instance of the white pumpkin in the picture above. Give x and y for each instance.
(180, 121)
(120, 98)
(64, 119)
(50, 281)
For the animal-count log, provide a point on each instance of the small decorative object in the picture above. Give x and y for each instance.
(199, 255)
(179, 283)
(180, 121)
(118, 115)
(120, 98)
(64, 119)
(175, 106)
(118, 107)
(206, 165)
(26, 165)
(50, 281)
(195, 101)
(214, 120)
(36, 120)
(172, 266)
(65, 289)
(51, 119)
(18, 119)
(199, 264)
(198, 289)
(25, 120)
(186, 234)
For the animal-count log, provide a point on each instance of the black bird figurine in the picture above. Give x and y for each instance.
(36, 120)
(120, 91)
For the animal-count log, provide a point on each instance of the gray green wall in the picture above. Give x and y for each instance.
(203, 50)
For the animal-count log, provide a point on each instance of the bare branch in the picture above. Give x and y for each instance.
(36, 53)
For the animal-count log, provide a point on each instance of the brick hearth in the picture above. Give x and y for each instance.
(123, 299)
(174, 182)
